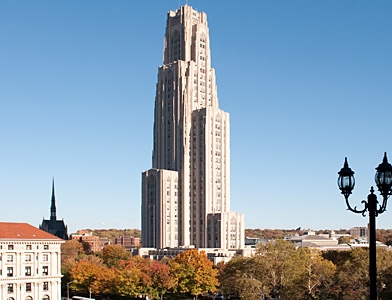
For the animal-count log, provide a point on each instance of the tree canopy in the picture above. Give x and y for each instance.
(276, 270)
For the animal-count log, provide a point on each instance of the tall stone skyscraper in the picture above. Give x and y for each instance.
(186, 194)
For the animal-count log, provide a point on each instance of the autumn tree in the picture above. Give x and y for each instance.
(129, 279)
(71, 250)
(193, 273)
(160, 278)
(86, 274)
(106, 280)
(112, 255)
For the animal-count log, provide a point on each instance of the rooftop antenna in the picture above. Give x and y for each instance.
(179, 3)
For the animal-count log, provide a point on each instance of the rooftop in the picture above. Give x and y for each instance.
(23, 231)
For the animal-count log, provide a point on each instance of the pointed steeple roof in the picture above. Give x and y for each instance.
(54, 226)
(53, 204)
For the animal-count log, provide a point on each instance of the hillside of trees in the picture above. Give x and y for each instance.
(111, 234)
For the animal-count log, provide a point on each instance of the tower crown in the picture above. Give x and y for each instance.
(186, 35)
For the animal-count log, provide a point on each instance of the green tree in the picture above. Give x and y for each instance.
(384, 271)
(344, 240)
(352, 276)
(319, 275)
(281, 268)
(227, 275)
(241, 276)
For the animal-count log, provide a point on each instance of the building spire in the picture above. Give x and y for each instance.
(53, 204)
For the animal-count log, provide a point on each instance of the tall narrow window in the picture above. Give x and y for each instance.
(45, 270)
(10, 272)
(27, 271)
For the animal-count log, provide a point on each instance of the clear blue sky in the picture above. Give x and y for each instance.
(306, 83)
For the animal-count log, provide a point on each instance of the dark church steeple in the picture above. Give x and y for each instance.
(53, 205)
(54, 226)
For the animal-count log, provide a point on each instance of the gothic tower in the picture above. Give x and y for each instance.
(186, 194)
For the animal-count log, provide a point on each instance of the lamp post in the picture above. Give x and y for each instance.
(383, 179)
(68, 288)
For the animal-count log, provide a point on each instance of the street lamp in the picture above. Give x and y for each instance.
(68, 288)
(383, 178)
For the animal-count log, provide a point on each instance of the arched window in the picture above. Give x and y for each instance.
(29, 298)
(45, 297)
(10, 298)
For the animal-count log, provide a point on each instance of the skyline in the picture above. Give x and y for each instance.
(307, 85)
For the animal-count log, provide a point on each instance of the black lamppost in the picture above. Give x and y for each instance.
(383, 178)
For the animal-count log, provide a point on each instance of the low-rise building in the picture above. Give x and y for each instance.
(359, 232)
(326, 242)
(30, 263)
(311, 239)
(90, 239)
(128, 242)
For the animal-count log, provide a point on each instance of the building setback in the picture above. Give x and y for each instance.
(186, 194)
(30, 263)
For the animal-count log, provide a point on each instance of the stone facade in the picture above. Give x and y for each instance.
(30, 263)
(186, 194)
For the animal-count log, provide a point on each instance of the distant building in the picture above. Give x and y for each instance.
(128, 242)
(312, 240)
(92, 240)
(54, 226)
(30, 263)
(359, 232)
(253, 241)
(325, 242)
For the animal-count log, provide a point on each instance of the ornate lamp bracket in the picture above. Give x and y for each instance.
(355, 210)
